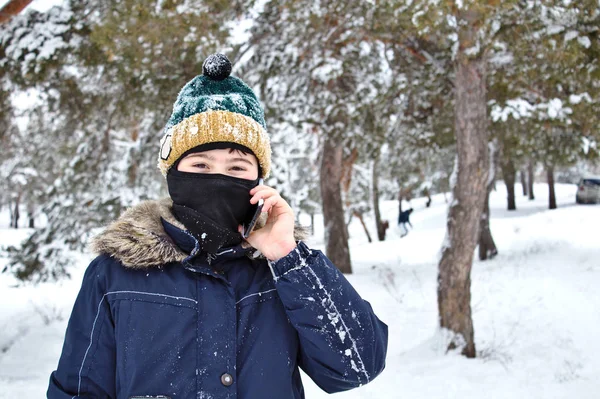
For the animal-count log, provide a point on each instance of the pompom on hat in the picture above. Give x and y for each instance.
(215, 108)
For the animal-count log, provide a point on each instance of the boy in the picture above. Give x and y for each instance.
(178, 305)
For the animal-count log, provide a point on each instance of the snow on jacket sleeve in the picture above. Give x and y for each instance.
(87, 364)
(342, 343)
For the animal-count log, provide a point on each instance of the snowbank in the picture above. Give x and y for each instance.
(534, 308)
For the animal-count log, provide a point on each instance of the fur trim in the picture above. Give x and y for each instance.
(138, 240)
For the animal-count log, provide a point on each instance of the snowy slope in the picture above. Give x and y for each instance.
(535, 308)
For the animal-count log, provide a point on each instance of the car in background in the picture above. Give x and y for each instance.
(588, 190)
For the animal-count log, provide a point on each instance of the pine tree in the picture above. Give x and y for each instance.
(549, 87)
(107, 93)
(316, 72)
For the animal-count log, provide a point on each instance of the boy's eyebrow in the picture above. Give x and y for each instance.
(201, 155)
(210, 157)
(232, 160)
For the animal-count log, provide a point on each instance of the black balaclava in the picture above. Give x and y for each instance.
(211, 206)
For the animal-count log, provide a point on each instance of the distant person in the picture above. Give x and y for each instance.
(403, 220)
(186, 300)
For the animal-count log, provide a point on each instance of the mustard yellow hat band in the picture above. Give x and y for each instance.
(211, 127)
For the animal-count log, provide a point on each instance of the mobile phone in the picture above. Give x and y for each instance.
(248, 227)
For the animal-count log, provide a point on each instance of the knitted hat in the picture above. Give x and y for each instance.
(215, 108)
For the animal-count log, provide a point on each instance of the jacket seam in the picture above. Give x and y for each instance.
(197, 336)
(151, 294)
(270, 298)
(232, 358)
(89, 347)
(256, 293)
(126, 354)
(155, 302)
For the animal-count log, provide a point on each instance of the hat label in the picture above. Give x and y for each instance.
(165, 146)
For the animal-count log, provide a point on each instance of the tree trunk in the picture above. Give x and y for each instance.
(336, 233)
(10, 212)
(487, 246)
(376, 210)
(469, 192)
(364, 225)
(347, 168)
(509, 175)
(14, 220)
(523, 183)
(530, 178)
(400, 203)
(551, 192)
(12, 8)
(31, 216)
(312, 224)
(134, 158)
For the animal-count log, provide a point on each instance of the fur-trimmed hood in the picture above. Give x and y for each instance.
(138, 239)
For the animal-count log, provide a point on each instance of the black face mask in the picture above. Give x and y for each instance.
(211, 206)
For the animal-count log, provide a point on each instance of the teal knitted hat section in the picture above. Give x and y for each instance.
(203, 94)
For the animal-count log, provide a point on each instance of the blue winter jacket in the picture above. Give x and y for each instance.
(154, 319)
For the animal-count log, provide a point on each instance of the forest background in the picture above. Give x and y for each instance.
(364, 101)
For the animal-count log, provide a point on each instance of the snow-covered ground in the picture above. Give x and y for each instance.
(535, 308)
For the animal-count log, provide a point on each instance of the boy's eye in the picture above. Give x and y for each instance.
(199, 165)
(238, 169)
